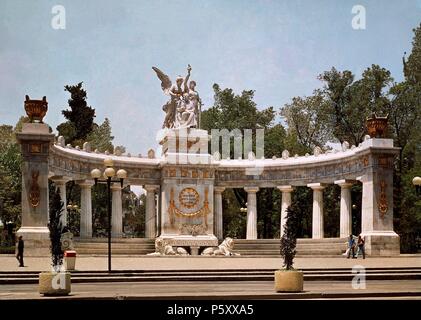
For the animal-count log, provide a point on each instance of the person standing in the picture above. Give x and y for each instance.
(360, 244)
(351, 246)
(19, 256)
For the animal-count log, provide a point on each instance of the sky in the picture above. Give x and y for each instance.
(277, 48)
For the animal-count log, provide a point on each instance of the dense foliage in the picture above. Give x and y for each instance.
(289, 237)
(56, 229)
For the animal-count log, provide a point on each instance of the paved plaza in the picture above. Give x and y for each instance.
(99, 263)
(222, 290)
(129, 288)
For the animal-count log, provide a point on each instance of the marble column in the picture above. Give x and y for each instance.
(150, 218)
(346, 208)
(286, 202)
(117, 211)
(251, 212)
(317, 210)
(86, 209)
(61, 184)
(218, 212)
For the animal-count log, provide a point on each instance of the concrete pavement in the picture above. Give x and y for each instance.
(222, 290)
(99, 263)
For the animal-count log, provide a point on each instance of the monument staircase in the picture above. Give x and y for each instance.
(123, 246)
(259, 247)
(305, 247)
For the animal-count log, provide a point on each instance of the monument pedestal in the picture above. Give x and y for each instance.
(377, 199)
(187, 190)
(35, 140)
(194, 243)
(382, 243)
(37, 241)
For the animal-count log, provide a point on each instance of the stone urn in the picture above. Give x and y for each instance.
(376, 126)
(36, 109)
(289, 281)
(54, 283)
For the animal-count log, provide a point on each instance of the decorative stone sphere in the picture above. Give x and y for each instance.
(345, 145)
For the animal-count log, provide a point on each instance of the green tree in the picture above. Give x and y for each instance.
(405, 114)
(307, 120)
(80, 116)
(232, 111)
(10, 176)
(412, 67)
(289, 237)
(351, 102)
(100, 137)
(56, 229)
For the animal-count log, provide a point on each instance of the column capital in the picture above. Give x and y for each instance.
(218, 189)
(115, 186)
(60, 179)
(285, 188)
(345, 183)
(151, 187)
(85, 183)
(251, 189)
(317, 186)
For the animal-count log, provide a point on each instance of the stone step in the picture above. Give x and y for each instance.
(305, 247)
(114, 240)
(229, 275)
(260, 247)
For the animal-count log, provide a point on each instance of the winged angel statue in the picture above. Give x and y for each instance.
(182, 109)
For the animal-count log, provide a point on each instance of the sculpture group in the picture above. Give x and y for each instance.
(164, 248)
(183, 108)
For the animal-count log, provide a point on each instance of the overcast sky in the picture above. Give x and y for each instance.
(276, 48)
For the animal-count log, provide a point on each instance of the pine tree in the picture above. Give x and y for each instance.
(80, 116)
(412, 67)
(289, 238)
(56, 229)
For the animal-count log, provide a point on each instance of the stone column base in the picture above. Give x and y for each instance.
(382, 243)
(36, 241)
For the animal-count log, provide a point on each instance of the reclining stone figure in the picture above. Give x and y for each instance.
(162, 248)
(224, 249)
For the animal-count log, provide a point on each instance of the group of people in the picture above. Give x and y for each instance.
(355, 246)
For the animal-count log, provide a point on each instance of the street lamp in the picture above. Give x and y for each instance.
(72, 209)
(108, 174)
(417, 183)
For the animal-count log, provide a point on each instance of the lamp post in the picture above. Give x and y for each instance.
(71, 210)
(108, 174)
(417, 183)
